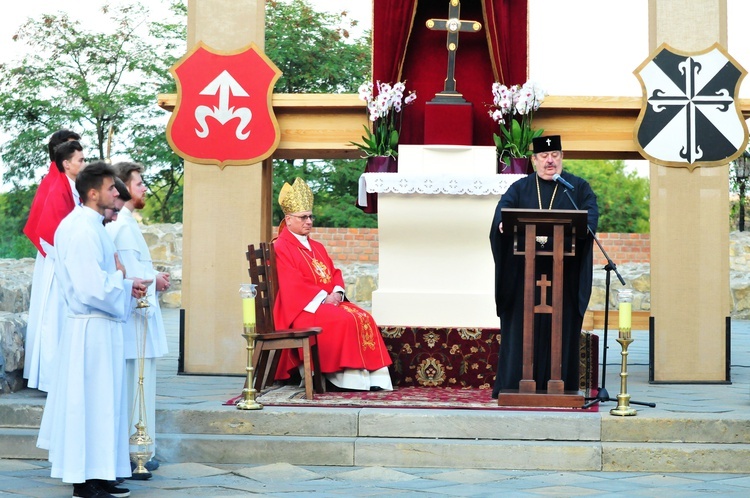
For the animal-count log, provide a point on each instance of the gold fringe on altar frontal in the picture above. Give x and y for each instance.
(296, 198)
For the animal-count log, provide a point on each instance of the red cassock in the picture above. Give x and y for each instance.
(350, 336)
(52, 202)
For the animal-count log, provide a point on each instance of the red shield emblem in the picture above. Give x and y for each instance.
(224, 113)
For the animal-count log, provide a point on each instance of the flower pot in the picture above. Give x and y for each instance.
(377, 164)
(517, 166)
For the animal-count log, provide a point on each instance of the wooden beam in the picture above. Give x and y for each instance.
(320, 126)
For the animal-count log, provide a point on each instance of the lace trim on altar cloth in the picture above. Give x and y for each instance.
(398, 183)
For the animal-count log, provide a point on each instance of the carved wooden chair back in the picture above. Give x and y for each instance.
(270, 341)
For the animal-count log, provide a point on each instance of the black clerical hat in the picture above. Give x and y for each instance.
(547, 144)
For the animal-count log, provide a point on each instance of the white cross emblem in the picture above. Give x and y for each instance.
(549, 142)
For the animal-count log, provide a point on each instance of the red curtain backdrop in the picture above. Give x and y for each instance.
(404, 49)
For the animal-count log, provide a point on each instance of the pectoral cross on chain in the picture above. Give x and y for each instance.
(453, 25)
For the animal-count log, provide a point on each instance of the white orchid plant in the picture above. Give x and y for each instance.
(384, 113)
(513, 109)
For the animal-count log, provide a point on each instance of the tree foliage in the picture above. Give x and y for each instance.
(317, 55)
(98, 83)
(623, 197)
(314, 50)
(14, 209)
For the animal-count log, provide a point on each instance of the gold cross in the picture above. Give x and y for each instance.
(453, 25)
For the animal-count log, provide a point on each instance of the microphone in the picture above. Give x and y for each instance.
(559, 179)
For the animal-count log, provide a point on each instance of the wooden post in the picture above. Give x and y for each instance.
(221, 212)
(689, 227)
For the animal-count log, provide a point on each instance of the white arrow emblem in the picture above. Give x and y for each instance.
(223, 85)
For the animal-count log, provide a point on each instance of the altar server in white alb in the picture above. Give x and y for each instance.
(85, 420)
(56, 197)
(135, 255)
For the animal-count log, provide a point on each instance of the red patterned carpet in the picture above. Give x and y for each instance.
(401, 397)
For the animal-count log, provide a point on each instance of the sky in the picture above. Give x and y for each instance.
(558, 28)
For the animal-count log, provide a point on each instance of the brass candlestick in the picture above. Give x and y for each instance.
(623, 399)
(248, 292)
(140, 443)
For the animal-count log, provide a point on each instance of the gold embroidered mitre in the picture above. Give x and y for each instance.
(296, 198)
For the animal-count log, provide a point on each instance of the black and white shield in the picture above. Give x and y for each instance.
(689, 116)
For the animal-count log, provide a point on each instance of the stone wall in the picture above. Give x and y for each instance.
(355, 252)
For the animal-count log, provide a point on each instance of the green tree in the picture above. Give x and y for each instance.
(14, 209)
(313, 49)
(623, 197)
(317, 55)
(100, 84)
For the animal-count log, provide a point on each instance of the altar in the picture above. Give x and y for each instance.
(434, 215)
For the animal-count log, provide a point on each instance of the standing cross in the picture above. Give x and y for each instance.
(453, 25)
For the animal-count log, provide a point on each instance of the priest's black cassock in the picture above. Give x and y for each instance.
(533, 192)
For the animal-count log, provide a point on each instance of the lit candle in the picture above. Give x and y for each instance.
(626, 310)
(247, 293)
(248, 311)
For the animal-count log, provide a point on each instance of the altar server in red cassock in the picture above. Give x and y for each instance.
(311, 294)
(55, 198)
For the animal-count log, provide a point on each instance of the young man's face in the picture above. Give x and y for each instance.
(111, 214)
(137, 190)
(106, 195)
(74, 164)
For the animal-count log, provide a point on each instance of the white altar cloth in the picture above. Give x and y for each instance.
(434, 217)
(451, 184)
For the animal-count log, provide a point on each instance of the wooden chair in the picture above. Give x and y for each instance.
(270, 342)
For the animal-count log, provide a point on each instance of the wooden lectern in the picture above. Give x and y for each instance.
(555, 231)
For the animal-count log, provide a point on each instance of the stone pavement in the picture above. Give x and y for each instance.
(31, 477)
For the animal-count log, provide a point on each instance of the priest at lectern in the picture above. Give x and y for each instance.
(548, 188)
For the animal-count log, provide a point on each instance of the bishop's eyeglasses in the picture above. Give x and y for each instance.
(304, 217)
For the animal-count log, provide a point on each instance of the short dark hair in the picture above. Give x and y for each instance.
(59, 137)
(65, 151)
(92, 176)
(122, 189)
(125, 169)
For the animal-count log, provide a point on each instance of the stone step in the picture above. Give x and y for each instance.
(20, 443)
(422, 423)
(423, 452)
(427, 438)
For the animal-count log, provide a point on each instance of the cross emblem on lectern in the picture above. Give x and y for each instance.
(453, 25)
(543, 284)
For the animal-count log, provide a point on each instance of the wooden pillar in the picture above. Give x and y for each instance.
(221, 212)
(689, 226)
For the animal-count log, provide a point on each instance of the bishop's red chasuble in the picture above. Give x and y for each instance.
(350, 337)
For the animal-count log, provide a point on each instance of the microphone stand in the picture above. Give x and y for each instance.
(602, 395)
